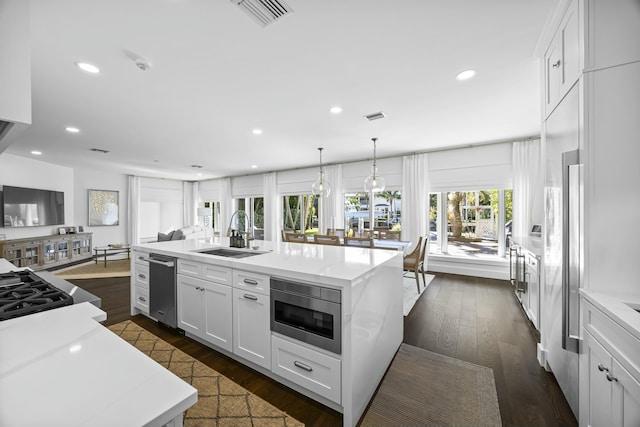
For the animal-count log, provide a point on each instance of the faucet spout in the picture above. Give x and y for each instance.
(247, 234)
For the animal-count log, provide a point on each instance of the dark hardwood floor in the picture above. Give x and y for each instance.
(473, 319)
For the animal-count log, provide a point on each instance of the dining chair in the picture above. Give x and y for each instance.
(285, 231)
(323, 239)
(295, 237)
(363, 242)
(365, 234)
(335, 232)
(414, 262)
(389, 235)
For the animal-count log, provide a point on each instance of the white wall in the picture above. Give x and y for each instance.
(22, 172)
(85, 180)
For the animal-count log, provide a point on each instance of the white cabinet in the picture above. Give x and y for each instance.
(562, 59)
(308, 368)
(140, 281)
(251, 317)
(610, 370)
(204, 309)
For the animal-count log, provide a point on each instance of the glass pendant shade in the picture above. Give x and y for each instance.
(321, 187)
(374, 182)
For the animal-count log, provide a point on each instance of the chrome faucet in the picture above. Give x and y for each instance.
(247, 234)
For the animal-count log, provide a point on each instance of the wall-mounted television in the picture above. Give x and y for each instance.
(30, 207)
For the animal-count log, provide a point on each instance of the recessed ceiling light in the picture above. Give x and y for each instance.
(466, 75)
(36, 152)
(89, 68)
(254, 166)
(71, 129)
(257, 131)
(336, 110)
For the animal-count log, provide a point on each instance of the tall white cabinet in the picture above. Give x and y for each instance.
(595, 108)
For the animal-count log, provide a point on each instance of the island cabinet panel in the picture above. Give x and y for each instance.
(140, 280)
(204, 310)
(308, 368)
(251, 327)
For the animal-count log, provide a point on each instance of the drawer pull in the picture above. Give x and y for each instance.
(250, 281)
(303, 366)
(143, 299)
(251, 297)
(141, 258)
(611, 378)
(602, 368)
(142, 276)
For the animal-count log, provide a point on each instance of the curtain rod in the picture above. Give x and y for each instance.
(435, 150)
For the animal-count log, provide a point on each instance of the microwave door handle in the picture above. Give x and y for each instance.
(571, 223)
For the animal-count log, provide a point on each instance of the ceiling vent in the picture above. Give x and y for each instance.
(99, 150)
(265, 12)
(375, 116)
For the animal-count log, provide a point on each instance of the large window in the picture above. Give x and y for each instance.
(467, 223)
(300, 213)
(254, 208)
(386, 213)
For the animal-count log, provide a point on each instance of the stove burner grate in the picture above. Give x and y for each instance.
(23, 292)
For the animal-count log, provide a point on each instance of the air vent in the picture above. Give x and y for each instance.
(375, 116)
(196, 166)
(265, 12)
(99, 150)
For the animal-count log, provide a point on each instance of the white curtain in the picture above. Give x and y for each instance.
(415, 198)
(226, 205)
(332, 206)
(527, 187)
(190, 191)
(133, 232)
(271, 207)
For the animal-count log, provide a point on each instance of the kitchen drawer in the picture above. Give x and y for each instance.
(189, 268)
(621, 344)
(142, 299)
(141, 258)
(310, 369)
(252, 282)
(214, 273)
(142, 276)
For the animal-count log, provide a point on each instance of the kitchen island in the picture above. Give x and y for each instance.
(62, 367)
(228, 304)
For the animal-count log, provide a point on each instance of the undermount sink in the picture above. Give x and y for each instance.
(230, 253)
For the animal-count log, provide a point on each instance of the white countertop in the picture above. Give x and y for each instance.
(332, 265)
(61, 367)
(620, 307)
(532, 244)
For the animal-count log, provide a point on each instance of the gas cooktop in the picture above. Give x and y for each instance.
(24, 292)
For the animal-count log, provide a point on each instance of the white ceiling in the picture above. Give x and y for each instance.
(216, 75)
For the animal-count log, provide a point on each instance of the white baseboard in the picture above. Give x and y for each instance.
(542, 357)
(490, 269)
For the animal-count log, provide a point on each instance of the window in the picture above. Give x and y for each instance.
(470, 221)
(386, 213)
(254, 209)
(300, 213)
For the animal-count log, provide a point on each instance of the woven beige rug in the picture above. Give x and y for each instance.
(422, 388)
(91, 270)
(221, 402)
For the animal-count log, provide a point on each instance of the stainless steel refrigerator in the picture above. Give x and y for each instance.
(563, 245)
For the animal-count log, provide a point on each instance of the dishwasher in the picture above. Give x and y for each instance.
(162, 289)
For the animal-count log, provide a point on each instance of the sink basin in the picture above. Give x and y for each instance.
(230, 253)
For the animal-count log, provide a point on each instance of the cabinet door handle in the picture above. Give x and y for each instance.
(303, 366)
(142, 276)
(602, 368)
(250, 281)
(251, 297)
(142, 299)
(611, 378)
(556, 64)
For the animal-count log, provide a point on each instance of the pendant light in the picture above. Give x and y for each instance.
(321, 187)
(374, 182)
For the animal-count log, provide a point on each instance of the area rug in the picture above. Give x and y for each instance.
(91, 270)
(422, 388)
(221, 402)
(410, 292)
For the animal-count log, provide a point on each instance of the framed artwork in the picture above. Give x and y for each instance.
(104, 207)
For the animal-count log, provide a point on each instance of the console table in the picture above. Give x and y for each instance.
(104, 251)
(42, 252)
